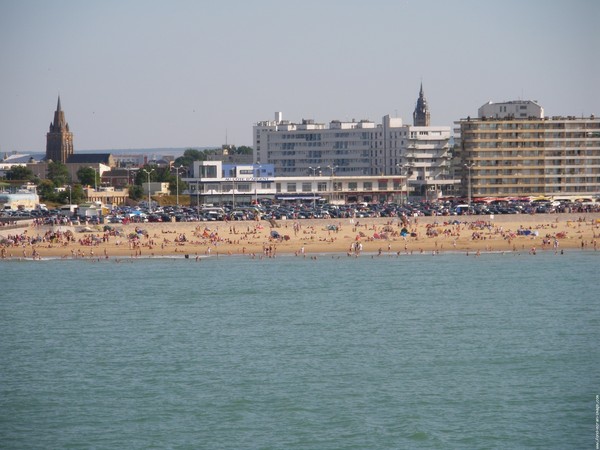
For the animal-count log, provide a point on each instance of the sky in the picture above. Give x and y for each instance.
(137, 74)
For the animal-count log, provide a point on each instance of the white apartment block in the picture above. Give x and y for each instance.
(358, 148)
(515, 109)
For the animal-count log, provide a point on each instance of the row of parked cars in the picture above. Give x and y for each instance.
(298, 211)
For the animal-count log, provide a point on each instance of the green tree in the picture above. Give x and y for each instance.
(20, 173)
(46, 190)
(58, 173)
(141, 176)
(135, 192)
(75, 195)
(190, 155)
(173, 186)
(243, 150)
(87, 176)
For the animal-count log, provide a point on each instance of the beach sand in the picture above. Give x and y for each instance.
(310, 238)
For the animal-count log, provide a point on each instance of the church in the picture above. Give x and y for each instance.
(60, 148)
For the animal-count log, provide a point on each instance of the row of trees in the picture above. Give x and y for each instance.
(191, 154)
(58, 176)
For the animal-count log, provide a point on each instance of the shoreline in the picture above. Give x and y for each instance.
(307, 237)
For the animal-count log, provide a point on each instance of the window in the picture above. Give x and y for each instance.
(352, 186)
(322, 186)
(208, 171)
(291, 187)
(383, 185)
(306, 187)
(368, 186)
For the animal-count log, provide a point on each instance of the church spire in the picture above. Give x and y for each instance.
(59, 139)
(421, 116)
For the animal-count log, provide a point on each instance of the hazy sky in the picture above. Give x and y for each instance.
(151, 74)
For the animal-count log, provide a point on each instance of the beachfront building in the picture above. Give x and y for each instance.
(14, 198)
(106, 195)
(512, 150)
(420, 152)
(215, 182)
(99, 162)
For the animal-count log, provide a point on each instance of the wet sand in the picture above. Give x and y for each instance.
(309, 238)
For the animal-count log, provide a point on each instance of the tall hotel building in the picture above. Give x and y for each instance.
(360, 148)
(512, 150)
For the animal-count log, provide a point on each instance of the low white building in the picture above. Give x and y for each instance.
(213, 182)
(514, 109)
(22, 198)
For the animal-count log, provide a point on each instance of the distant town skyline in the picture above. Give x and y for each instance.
(135, 75)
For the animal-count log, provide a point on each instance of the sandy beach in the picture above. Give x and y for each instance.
(307, 238)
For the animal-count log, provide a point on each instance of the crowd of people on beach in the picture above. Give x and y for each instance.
(234, 238)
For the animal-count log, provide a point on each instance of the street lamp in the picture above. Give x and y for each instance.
(314, 171)
(70, 201)
(332, 168)
(177, 182)
(256, 184)
(149, 201)
(468, 166)
(404, 168)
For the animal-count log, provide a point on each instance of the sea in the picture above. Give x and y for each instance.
(446, 351)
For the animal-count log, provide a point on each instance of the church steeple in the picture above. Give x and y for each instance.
(59, 140)
(421, 116)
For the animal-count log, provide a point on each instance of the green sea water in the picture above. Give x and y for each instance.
(448, 351)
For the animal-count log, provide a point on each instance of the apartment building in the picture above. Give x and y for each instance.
(361, 148)
(512, 150)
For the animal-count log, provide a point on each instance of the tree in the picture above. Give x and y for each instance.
(243, 150)
(75, 195)
(58, 173)
(87, 176)
(173, 186)
(46, 190)
(189, 156)
(20, 173)
(141, 176)
(135, 192)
